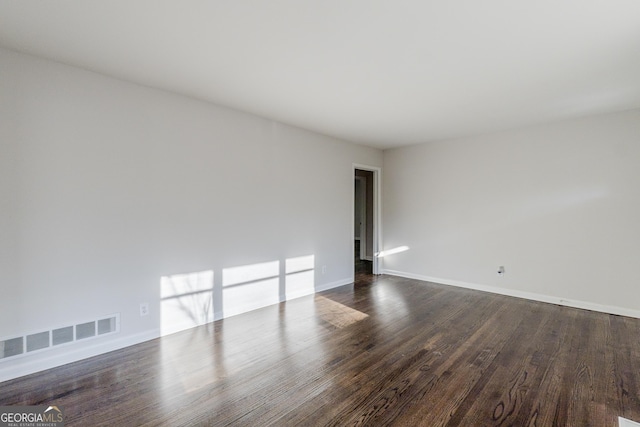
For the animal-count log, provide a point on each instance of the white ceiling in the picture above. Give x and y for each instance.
(382, 73)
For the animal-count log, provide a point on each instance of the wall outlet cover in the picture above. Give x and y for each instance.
(144, 309)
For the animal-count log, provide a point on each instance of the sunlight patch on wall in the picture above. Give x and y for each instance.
(186, 301)
(250, 287)
(193, 299)
(388, 252)
(300, 277)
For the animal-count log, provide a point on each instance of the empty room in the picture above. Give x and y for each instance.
(286, 213)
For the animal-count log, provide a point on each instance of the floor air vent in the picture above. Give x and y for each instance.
(26, 344)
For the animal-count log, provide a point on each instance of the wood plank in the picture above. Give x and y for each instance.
(514, 377)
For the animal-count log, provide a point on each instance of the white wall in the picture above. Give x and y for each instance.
(557, 205)
(8, 208)
(107, 186)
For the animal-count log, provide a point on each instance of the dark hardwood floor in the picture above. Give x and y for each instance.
(362, 267)
(384, 351)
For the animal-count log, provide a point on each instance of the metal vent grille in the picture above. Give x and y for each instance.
(85, 330)
(42, 340)
(12, 347)
(106, 326)
(37, 341)
(62, 335)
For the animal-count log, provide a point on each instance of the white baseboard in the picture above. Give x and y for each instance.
(320, 288)
(331, 285)
(585, 305)
(30, 365)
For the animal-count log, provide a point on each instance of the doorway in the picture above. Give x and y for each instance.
(365, 219)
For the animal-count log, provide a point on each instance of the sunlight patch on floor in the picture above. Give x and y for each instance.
(339, 315)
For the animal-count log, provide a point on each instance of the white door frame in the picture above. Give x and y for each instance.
(377, 212)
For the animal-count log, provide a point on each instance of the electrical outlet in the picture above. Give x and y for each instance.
(501, 270)
(144, 309)
(324, 269)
